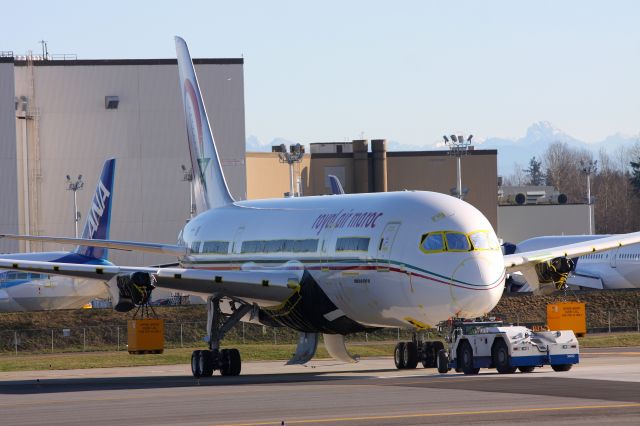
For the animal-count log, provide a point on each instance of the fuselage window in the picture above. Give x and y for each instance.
(305, 246)
(215, 247)
(18, 276)
(195, 246)
(457, 241)
(252, 247)
(352, 244)
(280, 246)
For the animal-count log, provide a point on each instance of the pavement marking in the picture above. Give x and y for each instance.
(445, 414)
(612, 353)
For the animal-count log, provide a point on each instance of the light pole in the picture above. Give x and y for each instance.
(589, 167)
(75, 186)
(295, 154)
(458, 146)
(187, 176)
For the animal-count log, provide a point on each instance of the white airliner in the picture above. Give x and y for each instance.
(612, 269)
(24, 291)
(325, 264)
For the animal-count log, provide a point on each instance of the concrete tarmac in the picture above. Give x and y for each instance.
(603, 389)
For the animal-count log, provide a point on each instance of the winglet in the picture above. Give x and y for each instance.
(209, 184)
(98, 219)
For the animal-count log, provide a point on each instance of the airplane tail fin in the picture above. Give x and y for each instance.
(209, 184)
(98, 219)
(336, 186)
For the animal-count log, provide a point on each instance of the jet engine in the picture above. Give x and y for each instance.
(134, 290)
(555, 271)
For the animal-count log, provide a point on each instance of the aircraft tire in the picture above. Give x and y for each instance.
(410, 355)
(443, 362)
(527, 369)
(465, 358)
(398, 356)
(501, 358)
(235, 361)
(428, 360)
(562, 367)
(195, 363)
(436, 347)
(206, 363)
(230, 362)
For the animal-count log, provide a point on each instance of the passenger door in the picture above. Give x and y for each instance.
(385, 244)
(613, 257)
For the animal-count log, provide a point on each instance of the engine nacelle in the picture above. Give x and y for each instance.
(134, 290)
(555, 271)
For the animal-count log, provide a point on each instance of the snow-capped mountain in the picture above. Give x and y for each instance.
(253, 144)
(538, 138)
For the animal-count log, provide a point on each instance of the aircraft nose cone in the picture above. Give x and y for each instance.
(477, 284)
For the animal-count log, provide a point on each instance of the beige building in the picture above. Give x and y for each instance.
(517, 223)
(360, 170)
(56, 120)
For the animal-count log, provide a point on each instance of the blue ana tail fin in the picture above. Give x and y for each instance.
(98, 219)
(336, 186)
(209, 184)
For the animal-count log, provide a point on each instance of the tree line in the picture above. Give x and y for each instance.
(615, 182)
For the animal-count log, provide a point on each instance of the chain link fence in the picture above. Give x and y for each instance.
(191, 334)
(621, 320)
(177, 335)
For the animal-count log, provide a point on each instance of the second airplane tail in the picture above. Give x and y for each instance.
(98, 219)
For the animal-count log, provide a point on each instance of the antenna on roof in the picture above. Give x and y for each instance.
(45, 49)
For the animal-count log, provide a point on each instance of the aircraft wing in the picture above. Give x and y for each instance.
(273, 285)
(535, 263)
(169, 249)
(514, 261)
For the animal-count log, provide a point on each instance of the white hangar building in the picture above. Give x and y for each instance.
(65, 117)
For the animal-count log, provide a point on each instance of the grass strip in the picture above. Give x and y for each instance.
(250, 352)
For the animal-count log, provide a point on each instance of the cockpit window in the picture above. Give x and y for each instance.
(457, 241)
(484, 240)
(480, 240)
(440, 241)
(432, 242)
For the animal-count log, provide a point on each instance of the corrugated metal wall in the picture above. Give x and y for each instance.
(146, 134)
(518, 223)
(8, 158)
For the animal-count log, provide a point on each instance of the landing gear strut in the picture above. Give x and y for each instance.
(228, 361)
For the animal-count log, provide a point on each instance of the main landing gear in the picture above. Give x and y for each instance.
(407, 355)
(228, 361)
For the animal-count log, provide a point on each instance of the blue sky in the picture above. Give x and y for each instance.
(408, 71)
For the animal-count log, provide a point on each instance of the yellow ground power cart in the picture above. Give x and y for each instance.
(567, 316)
(145, 336)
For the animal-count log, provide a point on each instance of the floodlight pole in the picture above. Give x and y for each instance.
(458, 146)
(292, 189)
(75, 186)
(294, 155)
(588, 168)
(459, 180)
(187, 176)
